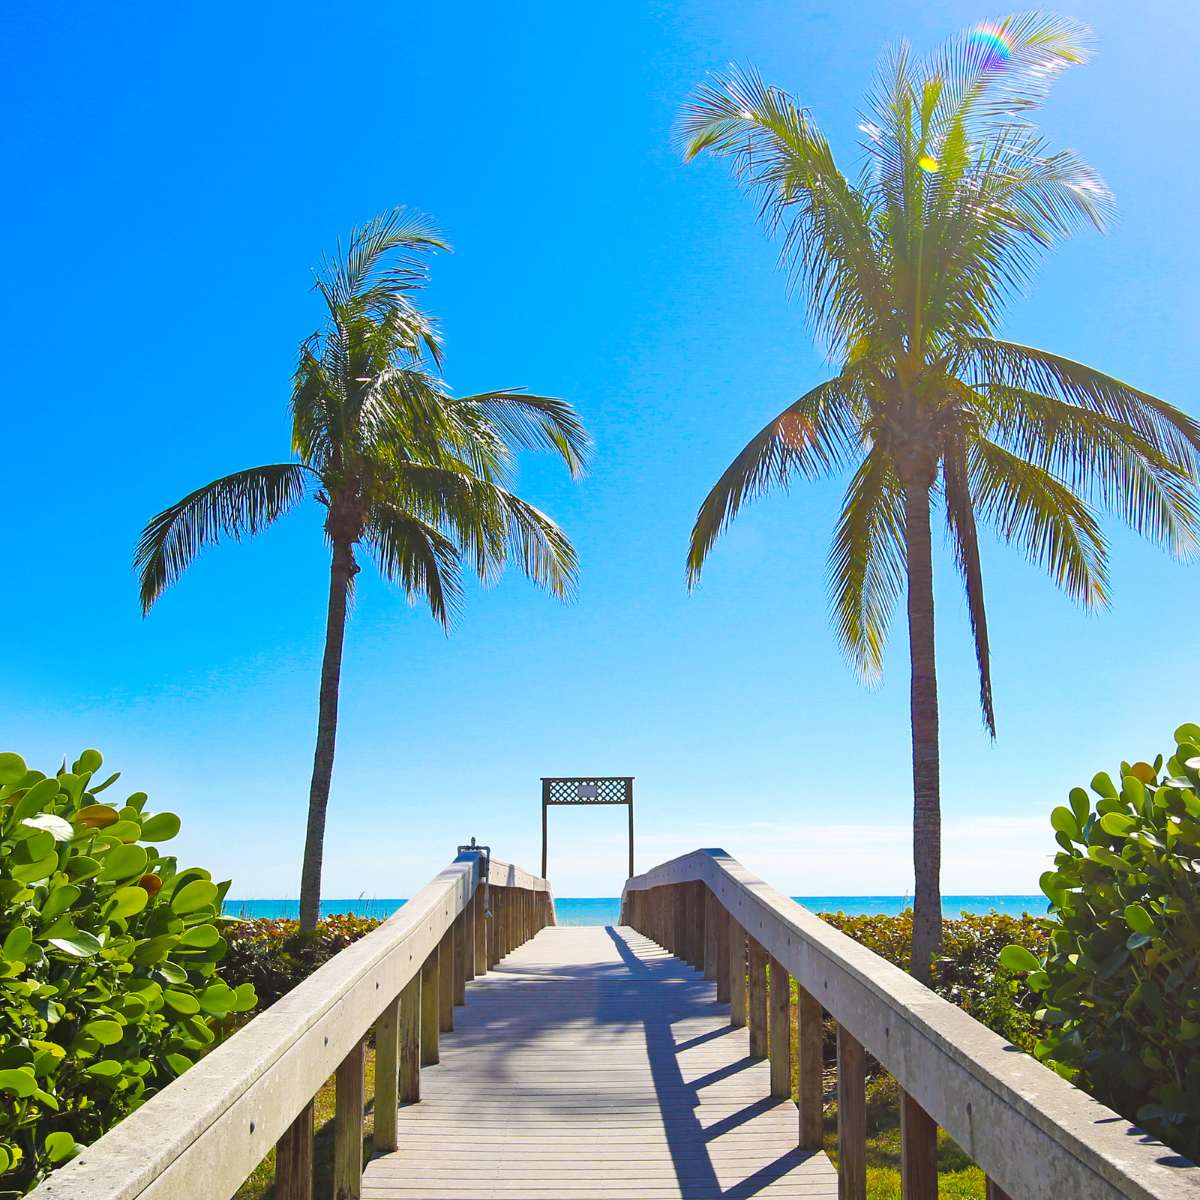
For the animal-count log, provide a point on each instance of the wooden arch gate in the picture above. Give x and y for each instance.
(587, 790)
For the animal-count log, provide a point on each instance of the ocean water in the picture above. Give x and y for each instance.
(604, 910)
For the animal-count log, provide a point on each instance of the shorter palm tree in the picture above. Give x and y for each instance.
(403, 468)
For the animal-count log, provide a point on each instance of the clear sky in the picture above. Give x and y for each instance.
(172, 174)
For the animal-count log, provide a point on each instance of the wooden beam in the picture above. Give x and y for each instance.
(737, 975)
(918, 1151)
(757, 1004)
(348, 1126)
(712, 935)
(780, 1031)
(387, 1075)
(810, 1066)
(430, 991)
(852, 1117)
(294, 1159)
(446, 982)
(408, 1086)
(459, 930)
(722, 953)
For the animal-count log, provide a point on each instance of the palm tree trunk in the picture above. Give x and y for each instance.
(341, 571)
(927, 817)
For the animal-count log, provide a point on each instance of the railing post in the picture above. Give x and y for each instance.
(460, 958)
(294, 1159)
(712, 936)
(723, 954)
(810, 1065)
(446, 982)
(348, 1126)
(387, 1075)
(481, 935)
(468, 950)
(496, 927)
(852, 1117)
(408, 1087)
(918, 1151)
(430, 991)
(737, 974)
(696, 928)
(758, 1000)
(679, 901)
(996, 1192)
(781, 1032)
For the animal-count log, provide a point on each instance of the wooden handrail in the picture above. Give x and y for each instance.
(203, 1135)
(1035, 1135)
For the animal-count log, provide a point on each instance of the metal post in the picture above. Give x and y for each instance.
(629, 786)
(545, 788)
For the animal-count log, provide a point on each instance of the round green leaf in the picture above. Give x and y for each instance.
(107, 1033)
(1018, 960)
(59, 1146)
(161, 827)
(1103, 785)
(33, 872)
(182, 1002)
(18, 1079)
(105, 1068)
(1063, 820)
(1138, 919)
(19, 940)
(128, 902)
(123, 862)
(79, 944)
(12, 767)
(192, 897)
(200, 937)
(1117, 824)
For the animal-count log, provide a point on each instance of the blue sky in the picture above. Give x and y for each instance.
(173, 174)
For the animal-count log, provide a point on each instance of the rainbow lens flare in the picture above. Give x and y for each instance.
(928, 163)
(994, 42)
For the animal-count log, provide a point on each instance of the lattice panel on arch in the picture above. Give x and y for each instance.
(587, 790)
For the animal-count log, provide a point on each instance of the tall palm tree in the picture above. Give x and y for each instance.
(403, 468)
(907, 267)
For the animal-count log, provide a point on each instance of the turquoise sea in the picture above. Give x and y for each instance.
(604, 910)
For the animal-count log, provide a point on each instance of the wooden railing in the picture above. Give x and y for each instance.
(1035, 1135)
(202, 1136)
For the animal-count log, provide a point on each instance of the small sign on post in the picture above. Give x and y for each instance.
(587, 789)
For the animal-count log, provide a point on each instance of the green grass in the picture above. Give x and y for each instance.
(261, 1184)
(958, 1177)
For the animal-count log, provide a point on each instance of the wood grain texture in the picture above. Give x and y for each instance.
(408, 1084)
(592, 1065)
(387, 1075)
(430, 1023)
(852, 1117)
(810, 1096)
(294, 1159)
(918, 1151)
(737, 975)
(348, 1126)
(756, 1004)
(780, 1009)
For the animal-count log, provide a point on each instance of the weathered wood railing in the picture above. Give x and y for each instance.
(201, 1137)
(1035, 1135)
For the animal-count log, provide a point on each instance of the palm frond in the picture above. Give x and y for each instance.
(536, 422)
(417, 556)
(782, 158)
(232, 506)
(813, 437)
(1100, 458)
(1025, 504)
(960, 520)
(989, 362)
(867, 563)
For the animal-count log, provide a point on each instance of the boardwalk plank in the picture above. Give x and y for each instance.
(592, 1065)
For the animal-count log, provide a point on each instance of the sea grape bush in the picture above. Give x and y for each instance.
(968, 973)
(274, 955)
(108, 962)
(1120, 983)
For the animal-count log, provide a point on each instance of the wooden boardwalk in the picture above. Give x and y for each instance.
(591, 1063)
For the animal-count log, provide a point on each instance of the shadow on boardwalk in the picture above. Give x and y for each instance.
(592, 1064)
